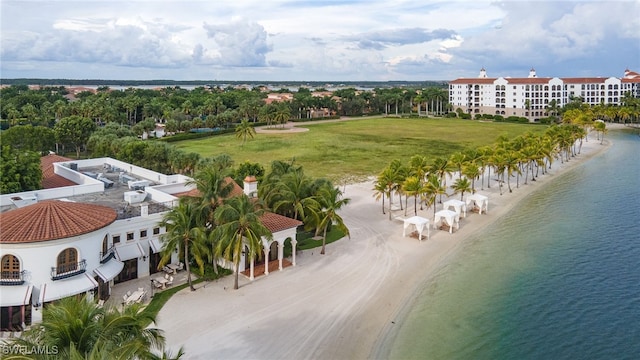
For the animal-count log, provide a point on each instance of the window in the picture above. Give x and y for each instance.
(115, 239)
(67, 261)
(129, 236)
(10, 267)
(156, 230)
(143, 234)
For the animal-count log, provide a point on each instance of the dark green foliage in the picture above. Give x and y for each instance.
(248, 168)
(19, 171)
(27, 137)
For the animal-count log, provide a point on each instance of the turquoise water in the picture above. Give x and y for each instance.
(557, 278)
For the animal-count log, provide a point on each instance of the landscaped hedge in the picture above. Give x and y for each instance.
(190, 135)
(199, 135)
(316, 119)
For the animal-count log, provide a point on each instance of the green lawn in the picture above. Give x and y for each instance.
(352, 150)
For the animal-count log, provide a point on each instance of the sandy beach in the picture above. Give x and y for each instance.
(342, 305)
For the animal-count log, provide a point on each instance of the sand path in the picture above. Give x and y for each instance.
(342, 305)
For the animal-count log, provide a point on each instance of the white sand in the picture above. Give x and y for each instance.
(335, 306)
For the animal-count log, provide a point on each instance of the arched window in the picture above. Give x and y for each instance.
(10, 267)
(67, 261)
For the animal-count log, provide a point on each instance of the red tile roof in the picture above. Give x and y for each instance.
(535, 80)
(275, 222)
(271, 221)
(584, 80)
(51, 180)
(473, 81)
(53, 219)
(235, 191)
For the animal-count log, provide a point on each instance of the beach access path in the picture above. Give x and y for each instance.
(342, 305)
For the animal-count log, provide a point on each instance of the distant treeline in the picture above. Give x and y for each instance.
(296, 84)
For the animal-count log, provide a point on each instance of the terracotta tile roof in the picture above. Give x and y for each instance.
(275, 222)
(51, 180)
(584, 80)
(235, 191)
(535, 80)
(53, 219)
(271, 221)
(473, 81)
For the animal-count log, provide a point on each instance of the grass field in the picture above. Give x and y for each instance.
(352, 150)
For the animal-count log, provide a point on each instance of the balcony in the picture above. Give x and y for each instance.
(107, 255)
(69, 270)
(12, 277)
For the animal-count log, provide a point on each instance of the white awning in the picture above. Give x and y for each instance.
(156, 245)
(68, 287)
(128, 252)
(109, 270)
(15, 295)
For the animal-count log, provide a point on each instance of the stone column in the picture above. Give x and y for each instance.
(280, 254)
(266, 259)
(293, 250)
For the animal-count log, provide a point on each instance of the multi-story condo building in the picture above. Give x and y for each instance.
(95, 224)
(535, 97)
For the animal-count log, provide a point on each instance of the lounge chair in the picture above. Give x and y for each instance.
(170, 282)
(180, 266)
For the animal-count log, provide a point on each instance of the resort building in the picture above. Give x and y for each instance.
(95, 224)
(535, 97)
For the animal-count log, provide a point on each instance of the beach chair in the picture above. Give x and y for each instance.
(166, 276)
(180, 266)
(170, 282)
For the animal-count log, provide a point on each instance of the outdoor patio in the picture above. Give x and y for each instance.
(119, 290)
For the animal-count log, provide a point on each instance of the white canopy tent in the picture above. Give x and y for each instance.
(481, 201)
(450, 217)
(458, 206)
(419, 223)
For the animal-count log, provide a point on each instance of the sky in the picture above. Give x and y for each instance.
(316, 40)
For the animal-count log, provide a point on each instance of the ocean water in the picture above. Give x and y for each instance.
(557, 278)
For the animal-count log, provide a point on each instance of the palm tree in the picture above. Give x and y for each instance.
(380, 189)
(239, 226)
(78, 328)
(294, 189)
(329, 201)
(441, 167)
(282, 115)
(412, 186)
(386, 182)
(471, 171)
(461, 186)
(244, 130)
(433, 188)
(184, 226)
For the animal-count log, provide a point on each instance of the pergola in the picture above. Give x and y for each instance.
(451, 218)
(481, 201)
(419, 223)
(458, 206)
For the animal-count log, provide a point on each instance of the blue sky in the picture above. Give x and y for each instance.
(324, 40)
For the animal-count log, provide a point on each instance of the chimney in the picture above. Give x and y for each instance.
(251, 186)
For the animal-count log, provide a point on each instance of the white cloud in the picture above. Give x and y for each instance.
(315, 39)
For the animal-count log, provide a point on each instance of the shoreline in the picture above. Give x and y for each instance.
(344, 304)
(384, 343)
